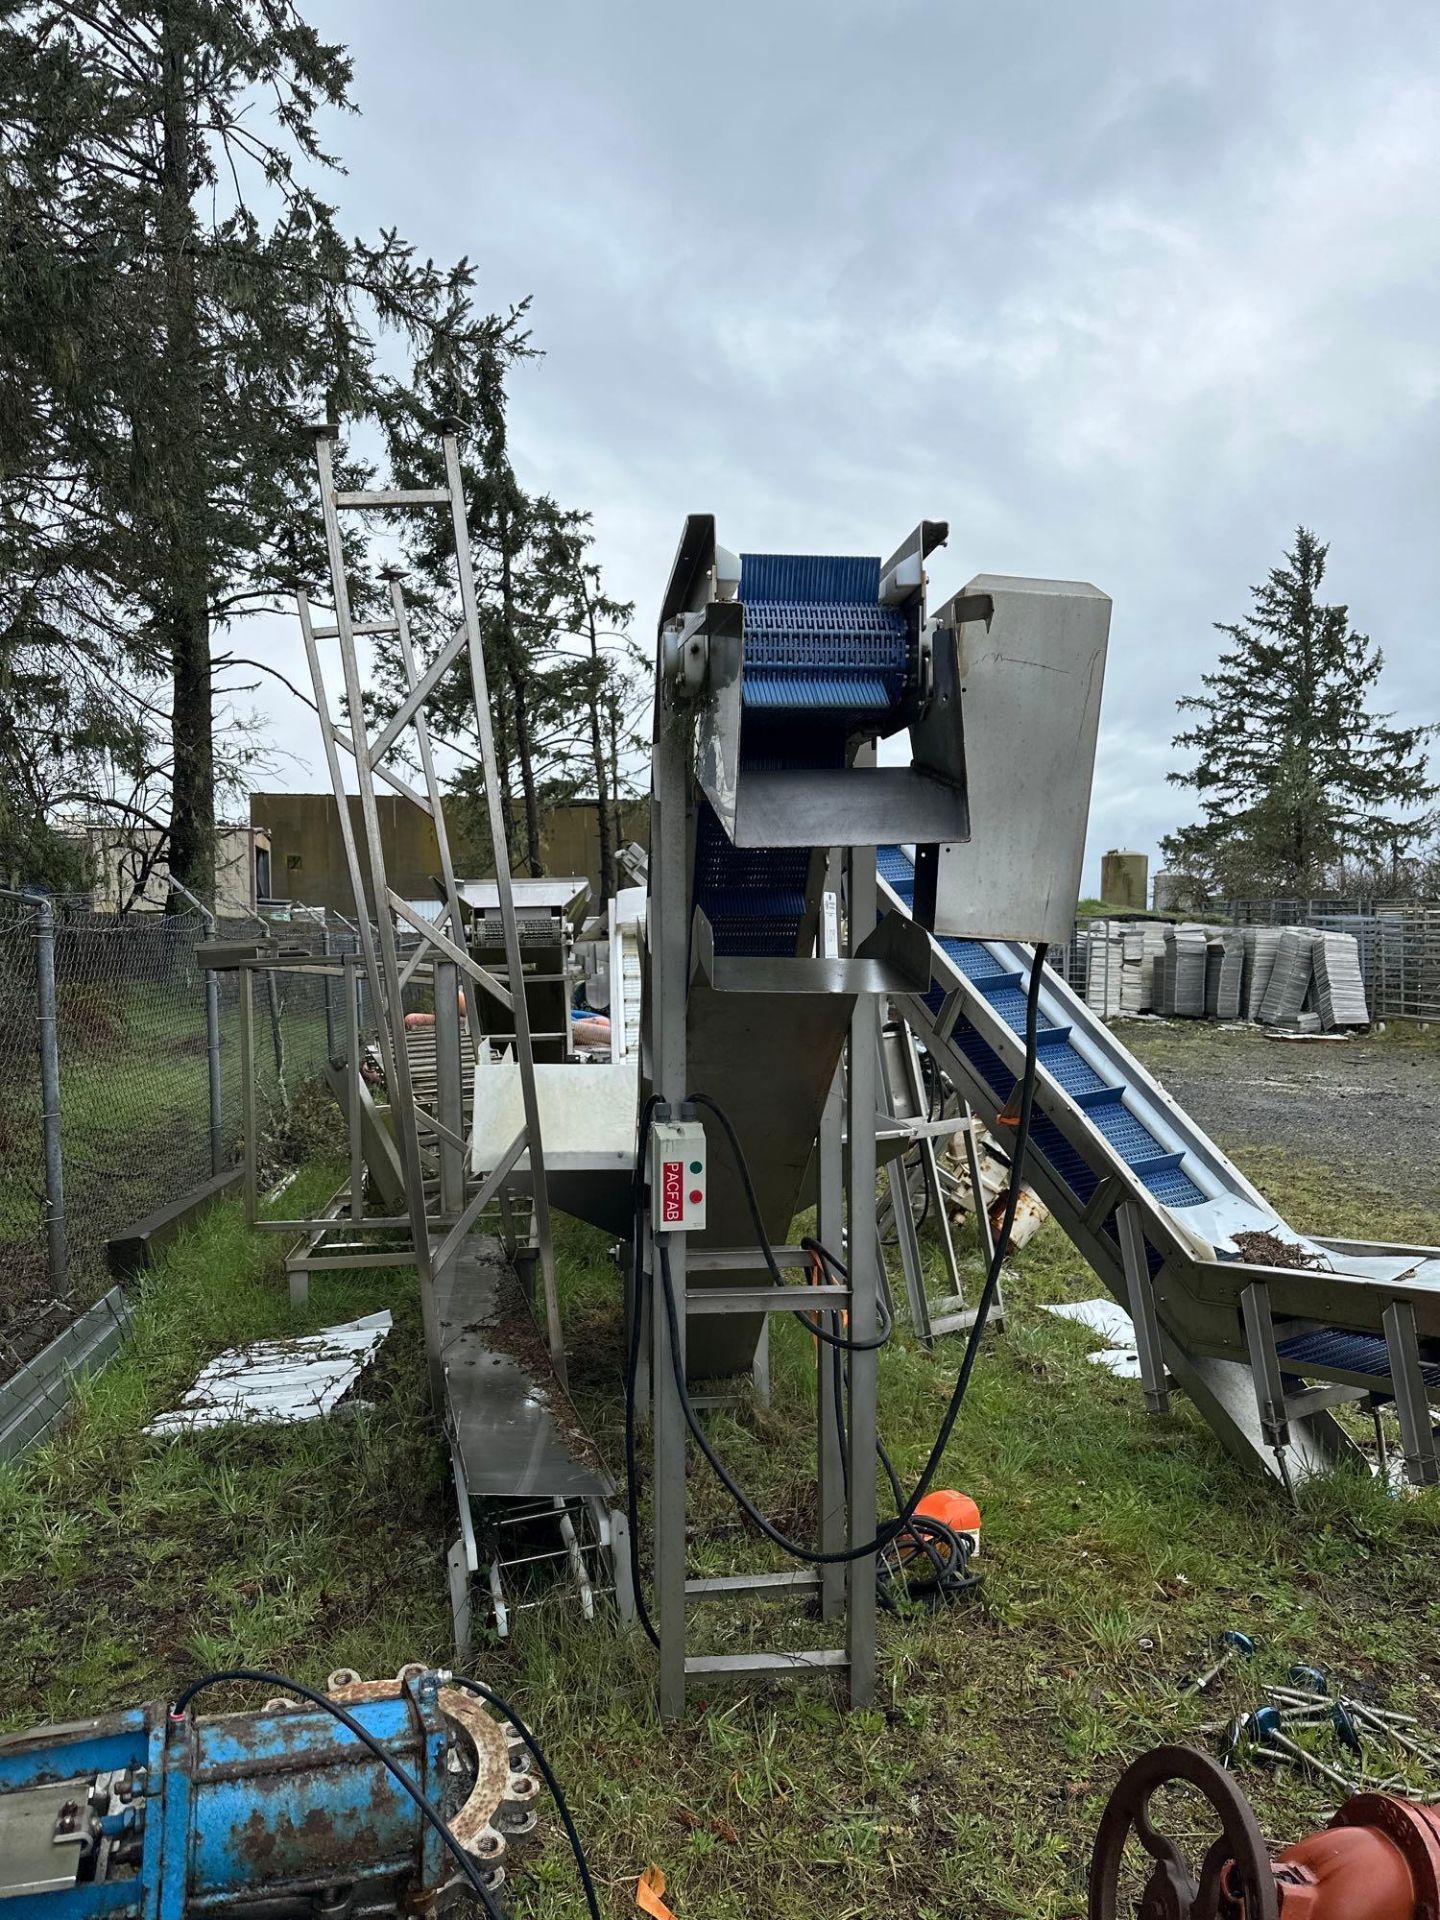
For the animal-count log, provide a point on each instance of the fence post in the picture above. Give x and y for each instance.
(50, 1095)
(212, 1054)
(277, 1036)
(325, 951)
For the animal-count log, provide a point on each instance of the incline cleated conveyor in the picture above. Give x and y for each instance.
(1153, 1205)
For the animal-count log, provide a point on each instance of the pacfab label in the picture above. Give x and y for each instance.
(672, 1191)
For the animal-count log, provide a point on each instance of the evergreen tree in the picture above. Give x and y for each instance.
(499, 513)
(538, 588)
(578, 609)
(1294, 771)
(177, 301)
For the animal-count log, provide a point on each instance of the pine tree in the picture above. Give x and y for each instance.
(1294, 771)
(177, 301)
(578, 609)
(499, 516)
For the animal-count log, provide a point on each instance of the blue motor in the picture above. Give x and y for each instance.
(162, 1814)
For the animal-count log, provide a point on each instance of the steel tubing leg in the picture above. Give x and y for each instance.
(1412, 1401)
(1142, 1311)
(864, 1315)
(830, 1227)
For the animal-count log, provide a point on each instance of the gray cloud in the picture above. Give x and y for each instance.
(1123, 292)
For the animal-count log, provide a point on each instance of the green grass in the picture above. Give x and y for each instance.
(134, 1121)
(1117, 1548)
(1093, 909)
(127, 1561)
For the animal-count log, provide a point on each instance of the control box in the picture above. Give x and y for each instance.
(678, 1181)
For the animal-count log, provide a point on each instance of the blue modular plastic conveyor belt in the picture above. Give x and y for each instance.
(821, 654)
(1104, 1134)
(1158, 1167)
(823, 662)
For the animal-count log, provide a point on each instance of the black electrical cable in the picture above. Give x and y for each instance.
(888, 1464)
(809, 1243)
(893, 1529)
(949, 1556)
(632, 1377)
(837, 1380)
(923, 1529)
(582, 1865)
(834, 1339)
(832, 1265)
(474, 1874)
(632, 1493)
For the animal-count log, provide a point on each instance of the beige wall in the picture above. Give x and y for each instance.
(307, 855)
(114, 851)
(570, 840)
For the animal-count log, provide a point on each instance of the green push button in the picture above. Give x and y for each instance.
(697, 1166)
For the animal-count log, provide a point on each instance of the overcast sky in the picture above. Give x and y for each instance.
(1123, 292)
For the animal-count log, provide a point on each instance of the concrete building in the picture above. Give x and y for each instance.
(307, 855)
(130, 877)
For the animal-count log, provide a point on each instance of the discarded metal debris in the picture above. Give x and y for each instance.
(278, 1381)
(1030, 1214)
(1234, 1644)
(1113, 1324)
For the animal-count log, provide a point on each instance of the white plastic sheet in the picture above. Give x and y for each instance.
(278, 1382)
(1113, 1325)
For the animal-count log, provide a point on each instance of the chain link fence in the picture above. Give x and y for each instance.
(120, 1084)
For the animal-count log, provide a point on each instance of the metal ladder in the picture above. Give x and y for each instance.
(441, 1212)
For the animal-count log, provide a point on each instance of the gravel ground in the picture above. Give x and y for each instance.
(1368, 1106)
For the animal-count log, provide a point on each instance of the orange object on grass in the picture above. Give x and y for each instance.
(954, 1510)
(649, 1894)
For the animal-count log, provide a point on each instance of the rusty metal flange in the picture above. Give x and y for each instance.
(502, 1789)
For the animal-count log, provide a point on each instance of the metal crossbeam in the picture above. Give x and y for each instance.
(364, 628)
(393, 497)
(481, 1198)
(412, 706)
(466, 962)
(428, 1118)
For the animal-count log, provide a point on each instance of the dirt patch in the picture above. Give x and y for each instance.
(1370, 1107)
(30, 1315)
